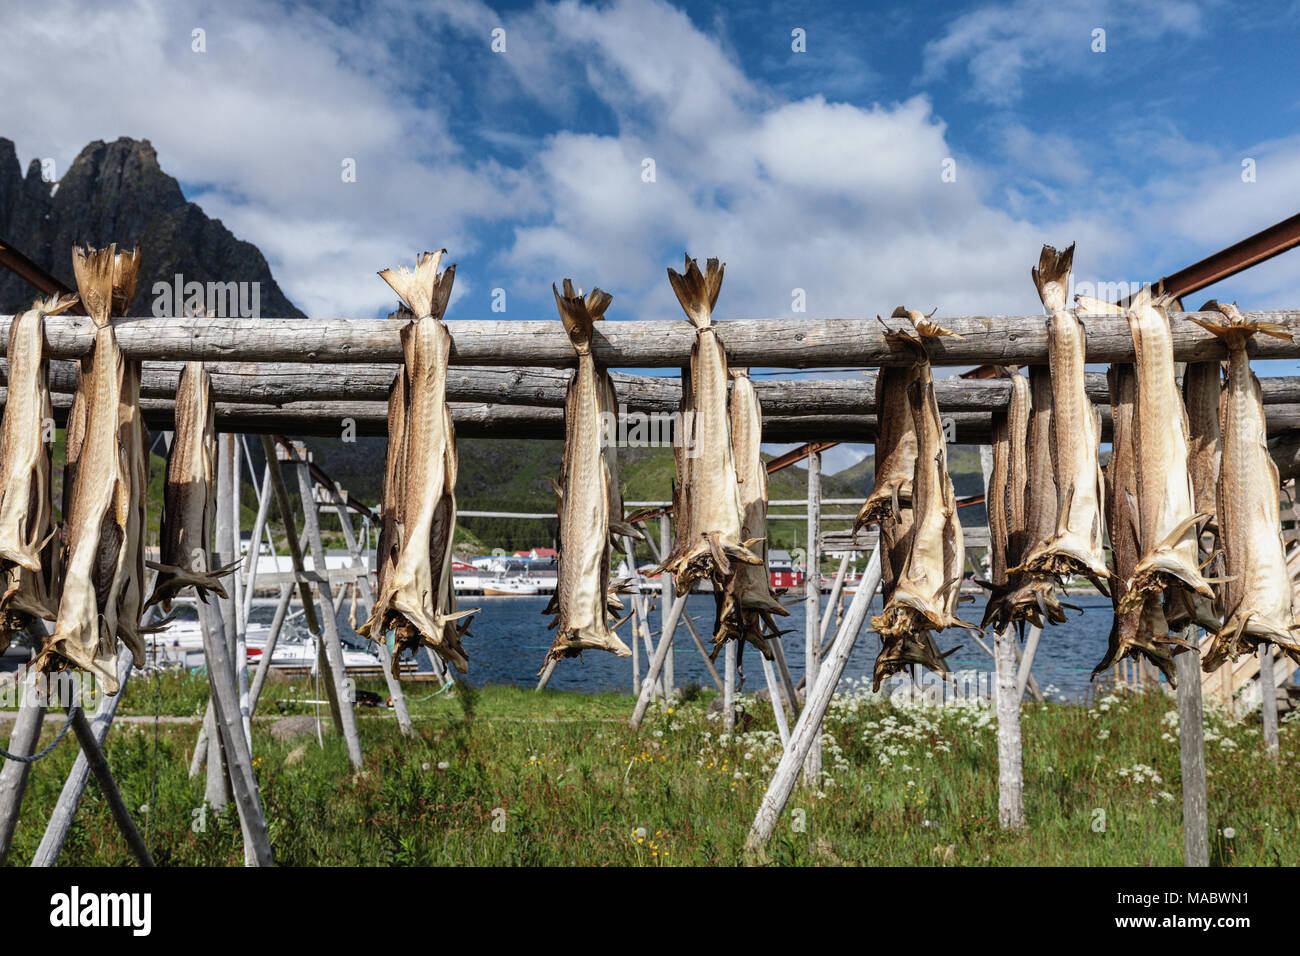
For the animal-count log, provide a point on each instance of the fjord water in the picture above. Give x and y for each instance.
(509, 639)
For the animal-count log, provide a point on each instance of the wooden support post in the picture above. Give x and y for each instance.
(1011, 785)
(108, 786)
(331, 642)
(254, 541)
(656, 554)
(666, 582)
(268, 650)
(812, 624)
(368, 599)
(22, 741)
(836, 590)
(60, 820)
(227, 552)
(230, 733)
(729, 688)
(657, 662)
(1027, 663)
(1268, 699)
(808, 727)
(778, 703)
(1191, 745)
(545, 677)
(783, 671)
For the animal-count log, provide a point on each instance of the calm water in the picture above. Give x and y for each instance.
(509, 639)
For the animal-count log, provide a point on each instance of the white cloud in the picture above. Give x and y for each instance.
(999, 45)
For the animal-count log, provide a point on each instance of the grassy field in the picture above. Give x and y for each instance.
(505, 776)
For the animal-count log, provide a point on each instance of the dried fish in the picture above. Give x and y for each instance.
(103, 529)
(1031, 594)
(706, 496)
(1006, 500)
(746, 607)
(1075, 545)
(26, 516)
(584, 493)
(1141, 631)
(895, 457)
(927, 590)
(1258, 588)
(417, 599)
(189, 496)
(1166, 516)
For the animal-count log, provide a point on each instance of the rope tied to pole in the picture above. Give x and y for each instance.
(63, 732)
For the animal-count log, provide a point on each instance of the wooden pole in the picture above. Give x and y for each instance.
(1011, 805)
(798, 342)
(808, 727)
(268, 650)
(657, 662)
(108, 786)
(729, 687)
(812, 771)
(254, 542)
(655, 553)
(666, 582)
(230, 733)
(778, 704)
(60, 820)
(1027, 662)
(1268, 699)
(368, 599)
(1191, 745)
(836, 589)
(332, 643)
(227, 547)
(13, 776)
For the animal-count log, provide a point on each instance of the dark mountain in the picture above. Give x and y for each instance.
(963, 468)
(116, 192)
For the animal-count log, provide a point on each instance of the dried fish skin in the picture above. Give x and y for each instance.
(585, 496)
(909, 649)
(189, 496)
(746, 608)
(1006, 498)
(389, 545)
(1141, 631)
(1031, 595)
(1167, 519)
(895, 452)
(927, 590)
(1257, 590)
(1075, 545)
(708, 536)
(99, 561)
(416, 599)
(26, 514)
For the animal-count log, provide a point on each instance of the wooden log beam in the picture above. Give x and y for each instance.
(771, 343)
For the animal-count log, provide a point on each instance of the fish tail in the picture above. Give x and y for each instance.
(93, 269)
(698, 291)
(924, 323)
(1052, 276)
(126, 273)
(1234, 328)
(579, 315)
(56, 304)
(426, 290)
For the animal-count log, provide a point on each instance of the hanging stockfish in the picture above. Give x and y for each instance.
(416, 598)
(1257, 590)
(1168, 540)
(585, 493)
(27, 560)
(189, 496)
(101, 566)
(927, 589)
(1031, 594)
(1141, 631)
(1006, 500)
(706, 496)
(1075, 545)
(746, 607)
(895, 452)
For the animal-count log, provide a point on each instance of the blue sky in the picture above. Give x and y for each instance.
(816, 170)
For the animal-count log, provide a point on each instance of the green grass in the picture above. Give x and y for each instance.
(569, 783)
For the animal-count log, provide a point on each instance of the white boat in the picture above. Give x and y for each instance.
(181, 645)
(510, 579)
